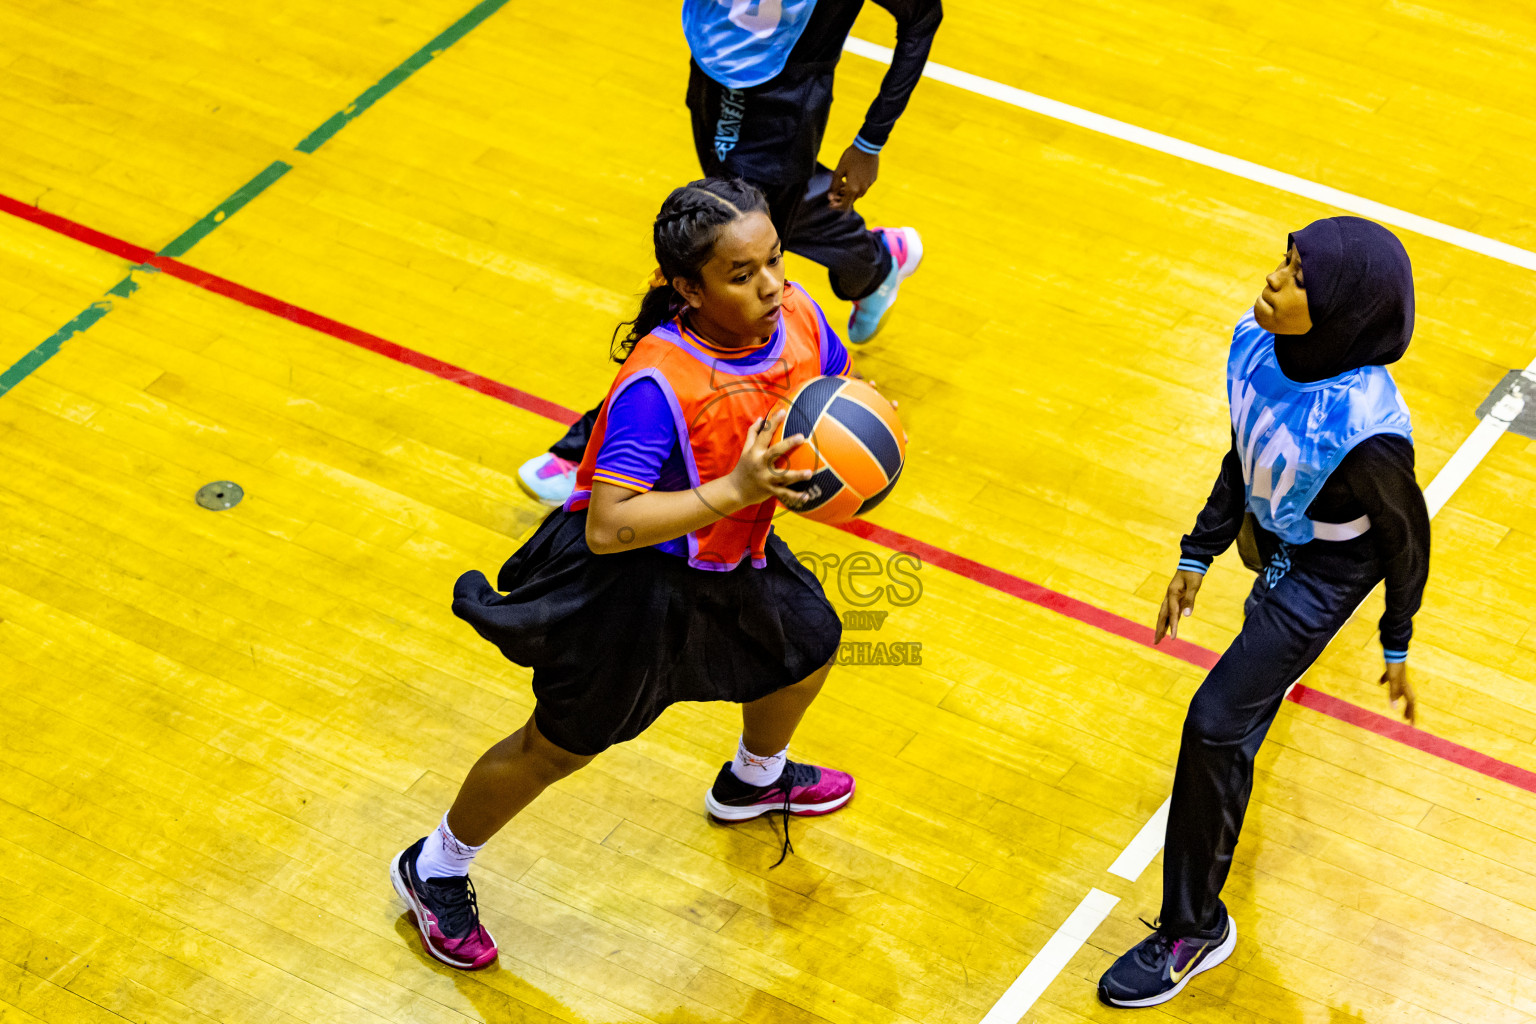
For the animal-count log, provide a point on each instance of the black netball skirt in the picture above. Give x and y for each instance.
(613, 640)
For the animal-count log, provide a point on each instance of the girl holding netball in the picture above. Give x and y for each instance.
(1321, 468)
(661, 580)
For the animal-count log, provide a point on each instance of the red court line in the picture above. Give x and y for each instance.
(1406, 734)
(70, 229)
(372, 342)
(960, 565)
(1034, 593)
(277, 307)
(1108, 621)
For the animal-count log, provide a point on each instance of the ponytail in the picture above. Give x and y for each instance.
(684, 234)
(657, 306)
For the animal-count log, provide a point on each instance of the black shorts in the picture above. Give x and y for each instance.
(769, 134)
(613, 640)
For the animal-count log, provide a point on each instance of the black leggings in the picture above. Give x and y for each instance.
(1295, 608)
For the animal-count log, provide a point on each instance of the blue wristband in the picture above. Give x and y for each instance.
(1394, 657)
(1190, 565)
(866, 147)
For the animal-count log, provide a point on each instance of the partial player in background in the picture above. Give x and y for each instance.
(1321, 470)
(661, 580)
(760, 91)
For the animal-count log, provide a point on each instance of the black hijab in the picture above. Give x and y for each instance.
(1359, 288)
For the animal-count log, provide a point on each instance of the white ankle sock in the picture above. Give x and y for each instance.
(443, 856)
(756, 770)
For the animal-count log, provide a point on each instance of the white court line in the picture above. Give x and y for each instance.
(1477, 446)
(1135, 858)
(1357, 205)
(1049, 962)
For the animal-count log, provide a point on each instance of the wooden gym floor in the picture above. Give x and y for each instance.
(222, 725)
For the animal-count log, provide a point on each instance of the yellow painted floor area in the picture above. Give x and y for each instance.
(222, 726)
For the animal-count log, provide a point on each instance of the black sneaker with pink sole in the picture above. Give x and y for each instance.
(445, 912)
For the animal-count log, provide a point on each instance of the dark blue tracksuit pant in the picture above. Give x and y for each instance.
(1296, 605)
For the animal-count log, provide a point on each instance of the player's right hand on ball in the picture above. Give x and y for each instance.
(1179, 602)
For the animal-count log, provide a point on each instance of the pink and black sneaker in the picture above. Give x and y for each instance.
(804, 790)
(445, 913)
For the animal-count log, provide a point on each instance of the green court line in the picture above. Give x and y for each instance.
(228, 208)
(414, 63)
(50, 348)
(221, 213)
(127, 286)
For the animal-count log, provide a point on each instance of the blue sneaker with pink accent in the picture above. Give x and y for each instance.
(548, 478)
(868, 317)
(1158, 967)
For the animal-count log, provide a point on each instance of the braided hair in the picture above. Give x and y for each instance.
(685, 232)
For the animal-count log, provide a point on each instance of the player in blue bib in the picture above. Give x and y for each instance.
(1321, 469)
(759, 95)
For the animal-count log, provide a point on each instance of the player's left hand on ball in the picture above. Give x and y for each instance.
(855, 174)
(1396, 679)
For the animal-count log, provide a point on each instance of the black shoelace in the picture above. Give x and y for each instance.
(454, 902)
(1161, 947)
(795, 774)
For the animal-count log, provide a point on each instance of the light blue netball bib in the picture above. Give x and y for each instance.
(742, 43)
(1291, 437)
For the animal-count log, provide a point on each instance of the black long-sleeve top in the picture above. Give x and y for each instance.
(917, 21)
(1375, 479)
